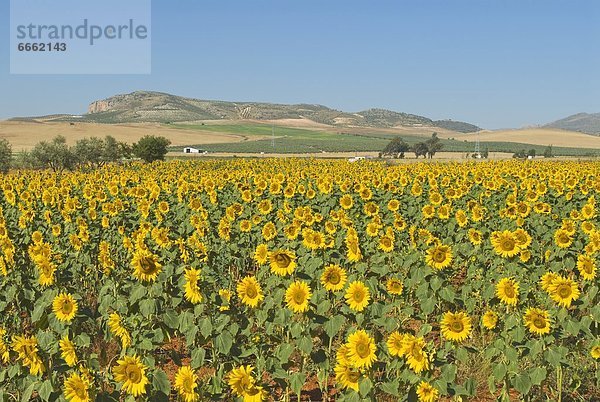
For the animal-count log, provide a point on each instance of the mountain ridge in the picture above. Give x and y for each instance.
(151, 106)
(588, 123)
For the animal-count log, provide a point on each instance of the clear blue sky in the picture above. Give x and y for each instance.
(494, 63)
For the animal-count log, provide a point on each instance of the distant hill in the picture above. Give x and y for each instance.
(588, 123)
(157, 107)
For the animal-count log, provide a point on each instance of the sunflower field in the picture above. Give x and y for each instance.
(256, 280)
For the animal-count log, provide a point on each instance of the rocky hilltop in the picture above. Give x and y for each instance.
(144, 106)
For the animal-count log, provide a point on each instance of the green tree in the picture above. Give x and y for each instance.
(420, 148)
(486, 153)
(97, 152)
(5, 155)
(531, 152)
(433, 145)
(151, 148)
(56, 155)
(548, 152)
(396, 148)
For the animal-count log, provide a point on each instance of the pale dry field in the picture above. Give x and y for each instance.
(536, 136)
(24, 135)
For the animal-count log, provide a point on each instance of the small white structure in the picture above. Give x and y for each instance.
(190, 150)
(356, 159)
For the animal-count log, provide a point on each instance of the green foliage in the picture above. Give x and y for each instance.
(397, 147)
(5, 155)
(151, 148)
(56, 155)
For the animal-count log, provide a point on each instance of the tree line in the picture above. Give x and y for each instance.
(92, 152)
(397, 148)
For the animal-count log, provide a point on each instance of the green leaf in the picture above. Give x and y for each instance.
(147, 307)
(499, 371)
(171, 319)
(28, 391)
(537, 375)
(224, 342)
(305, 345)
(198, 355)
(160, 382)
(297, 382)
(522, 383)
(391, 387)
(364, 386)
(38, 312)
(333, 326)
(186, 321)
(462, 355)
(448, 373)
(284, 352)
(206, 327)
(137, 293)
(45, 390)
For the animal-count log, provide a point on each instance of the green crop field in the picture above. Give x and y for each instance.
(298, 140)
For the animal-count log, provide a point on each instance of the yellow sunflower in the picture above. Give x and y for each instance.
(386, 244)
(395, 343)
(347, 376)
(146, 265)
(191, 288)
(537, 321)
(132, 374)
(76, 388)
(67, 351)
(586, 267)
(505, 243)
(283, 262)
(475, 237)
(64, 307)
(563, 291)
(489, 319)
(27, 350)
(394, 286)
(563, 238)
(346, 201)
(261, 255)
(507, 291)
(361, 349)
(416, 358)
(249, 291)
(115, 326)
(439, 257)
(547, 279)
(186, 382)
(357, 296)
(243, 384)
(455, 326)
(595, 352)
(334, 278)
(426, 392)
(297, 296)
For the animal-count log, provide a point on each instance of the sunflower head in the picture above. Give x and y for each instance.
(283, 262)
(507, 291)
(537, 321)
(489, 319)
(394, 286)
(439, 257)
(455, 326)
(249, 291)
(357, 296)
(132, 374)
(564, 291)
(333, 278)
(297, 296)
(64, 307)
(361, 349)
